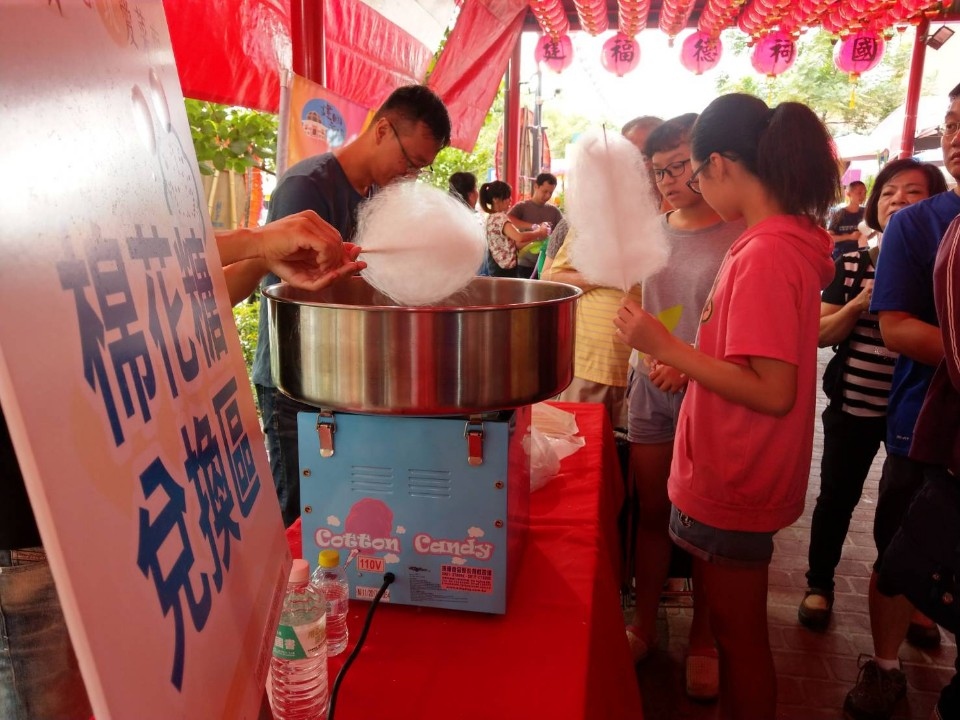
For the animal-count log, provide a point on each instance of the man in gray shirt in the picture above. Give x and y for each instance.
(535, 211)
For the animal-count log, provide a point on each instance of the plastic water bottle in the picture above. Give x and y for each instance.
(298, 668)
(331, 580)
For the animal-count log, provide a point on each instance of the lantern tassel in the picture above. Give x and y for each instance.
(854, 77)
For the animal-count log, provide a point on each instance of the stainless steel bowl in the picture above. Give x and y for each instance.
(497, 344)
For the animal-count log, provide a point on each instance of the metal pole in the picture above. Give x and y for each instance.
(537, 145)
(913, 89)
(306, 37)
(511, 134)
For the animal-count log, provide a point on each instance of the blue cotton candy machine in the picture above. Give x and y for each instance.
(417, 460)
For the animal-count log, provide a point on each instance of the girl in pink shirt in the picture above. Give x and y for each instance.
(745, 431)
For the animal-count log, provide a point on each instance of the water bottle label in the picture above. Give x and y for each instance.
(296, 642)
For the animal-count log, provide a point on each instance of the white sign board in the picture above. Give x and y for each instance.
(121, 374)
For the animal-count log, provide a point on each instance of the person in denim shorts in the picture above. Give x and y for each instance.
(698, 240)
(741, 459)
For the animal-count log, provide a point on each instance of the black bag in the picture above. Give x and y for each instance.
(833, 373)
(923, 559)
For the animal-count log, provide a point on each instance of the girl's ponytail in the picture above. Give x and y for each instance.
(796, 160)
(787, 148)
(496, 190)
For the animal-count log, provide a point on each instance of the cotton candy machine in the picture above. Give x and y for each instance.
(416, 460)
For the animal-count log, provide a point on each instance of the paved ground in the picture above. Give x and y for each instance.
(814, 670)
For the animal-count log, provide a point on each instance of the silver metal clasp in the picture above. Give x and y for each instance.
(473, 432)
(326, 427)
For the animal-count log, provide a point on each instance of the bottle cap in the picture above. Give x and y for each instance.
(329, 558)
(299, 571)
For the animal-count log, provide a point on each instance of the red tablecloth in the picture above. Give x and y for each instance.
(559, 652)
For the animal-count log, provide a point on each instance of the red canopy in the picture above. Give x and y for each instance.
(471, 66)
(231, 51)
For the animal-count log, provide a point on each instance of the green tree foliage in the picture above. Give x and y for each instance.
(562, 129)
(816, 81)
(246, 316)
(451, 160)
(232, 138)
(480, 161)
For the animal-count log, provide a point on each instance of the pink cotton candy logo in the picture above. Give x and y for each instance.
(370, 517)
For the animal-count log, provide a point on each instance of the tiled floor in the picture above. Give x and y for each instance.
(814, 670)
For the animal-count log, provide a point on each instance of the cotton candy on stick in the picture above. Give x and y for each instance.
(611, 207)
(420, 244)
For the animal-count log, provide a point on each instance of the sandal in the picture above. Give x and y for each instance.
(640, 649)
(925, 637)
(702, 677)
(815, 609)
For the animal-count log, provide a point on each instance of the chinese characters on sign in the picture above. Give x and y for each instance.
(130, 354)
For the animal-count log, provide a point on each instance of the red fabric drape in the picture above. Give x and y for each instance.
(228, 51)
(231, 51)
(367, 56)
(473, 61)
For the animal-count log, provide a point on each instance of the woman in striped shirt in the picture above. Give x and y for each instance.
(854, 422)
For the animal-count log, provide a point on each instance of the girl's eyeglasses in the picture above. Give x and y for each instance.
(674, 170)
(693, 183)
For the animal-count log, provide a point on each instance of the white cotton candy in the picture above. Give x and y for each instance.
(611, 207)
(420, 244)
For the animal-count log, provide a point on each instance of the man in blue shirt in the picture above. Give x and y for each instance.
(903, 297)
(404, 137)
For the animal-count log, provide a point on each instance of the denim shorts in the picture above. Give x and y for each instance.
(733, 548)
(652, 413)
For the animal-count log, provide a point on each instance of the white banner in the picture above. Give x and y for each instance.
(121, 374)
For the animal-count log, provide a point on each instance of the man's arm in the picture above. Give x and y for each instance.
(301, 249)
(837, 321)
(909, 335)
(949, 314)
(515, 216)
(901, 289)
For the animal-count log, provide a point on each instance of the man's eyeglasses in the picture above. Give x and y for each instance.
(413, 169)
(948, 129)
(674, 170)
(693, 183)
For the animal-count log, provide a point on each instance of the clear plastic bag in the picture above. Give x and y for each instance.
(553, 436)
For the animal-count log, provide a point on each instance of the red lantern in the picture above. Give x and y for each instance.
(593, 15)
(859, 53)
(773, 54)
(621, 54)
(555, 54)
(700, 52)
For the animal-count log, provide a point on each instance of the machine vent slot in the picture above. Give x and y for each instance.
(428, 483)
(365, 479)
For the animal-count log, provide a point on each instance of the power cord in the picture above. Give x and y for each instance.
(388, 579)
